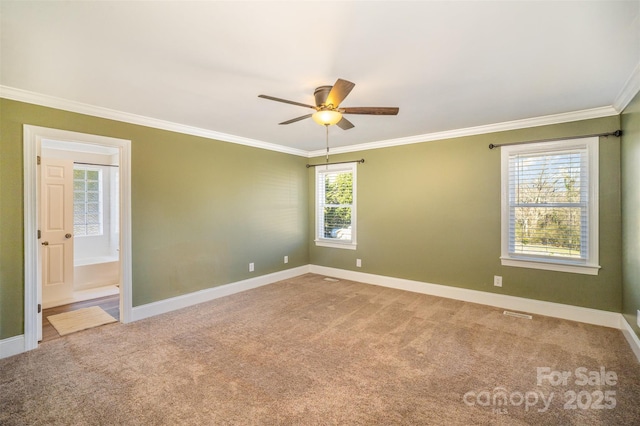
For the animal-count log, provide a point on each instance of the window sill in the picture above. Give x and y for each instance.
(335, 244)
(550, 266)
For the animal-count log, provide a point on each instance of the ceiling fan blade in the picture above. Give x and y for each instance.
(371, 110)
(345, 124)
(339, 91)
(293, 120)
(271, 98)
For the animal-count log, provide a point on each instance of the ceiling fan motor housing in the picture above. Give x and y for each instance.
(321, 93)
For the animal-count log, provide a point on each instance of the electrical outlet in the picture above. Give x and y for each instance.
(359, 263)
(638, 318)
(251, 267)
(286, 259)
(497, 280)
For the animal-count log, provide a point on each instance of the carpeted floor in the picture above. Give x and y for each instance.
(310, 352)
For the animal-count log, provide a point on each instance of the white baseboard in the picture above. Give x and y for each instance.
(185, 300)
(15, 345)
(11, 346)
(551, 309)
(631, 336)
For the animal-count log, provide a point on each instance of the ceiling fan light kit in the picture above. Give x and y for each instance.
(327, 117)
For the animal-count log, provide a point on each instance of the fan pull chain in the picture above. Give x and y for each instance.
(327, 127)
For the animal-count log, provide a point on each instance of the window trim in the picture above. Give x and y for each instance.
(590, 265)
(335, 243)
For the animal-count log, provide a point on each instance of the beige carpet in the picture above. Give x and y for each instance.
(310, 352)
(80, 319)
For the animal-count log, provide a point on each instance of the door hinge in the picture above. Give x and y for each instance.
(39, 308)
(38, 160)
(39, 234)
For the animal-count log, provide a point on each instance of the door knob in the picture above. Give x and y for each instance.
(68, 235)
(45, 243)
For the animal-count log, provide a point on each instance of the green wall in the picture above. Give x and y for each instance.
(430, 212)
(631, 212)
(201, 209)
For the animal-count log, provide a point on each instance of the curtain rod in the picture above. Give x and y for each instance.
(617, 134)
(96, 164)
(336, 162)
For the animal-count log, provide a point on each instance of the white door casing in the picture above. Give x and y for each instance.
(32, 142)
(56, 226)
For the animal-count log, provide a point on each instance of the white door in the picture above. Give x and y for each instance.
(56, 224)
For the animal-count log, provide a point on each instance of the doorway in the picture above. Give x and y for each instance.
(79, 224)
(101, 259)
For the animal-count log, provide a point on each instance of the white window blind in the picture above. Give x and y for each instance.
(335, 205)
(550, 203)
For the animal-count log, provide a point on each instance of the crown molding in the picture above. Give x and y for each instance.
(629, 90)
(477, 130)
(82, 108)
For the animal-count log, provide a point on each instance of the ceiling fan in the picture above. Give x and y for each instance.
(328, 110)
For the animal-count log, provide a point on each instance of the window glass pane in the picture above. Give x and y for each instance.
(92, 174)
(78, 218)
(78, 185)
(547, 178)
(79, 230)
(93, 208)
(93, 229)
(79, 174)
(93, 186)
(93, 219)
(550, 231)
(92, 197)
(337, 222)
(78, 197)
(339, 188)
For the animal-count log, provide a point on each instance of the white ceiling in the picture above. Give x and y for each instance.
(446, 65)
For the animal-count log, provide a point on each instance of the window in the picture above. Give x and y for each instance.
(550, 206)
(336, 206)
(87, 201)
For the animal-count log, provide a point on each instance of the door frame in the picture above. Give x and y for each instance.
(32, 142)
